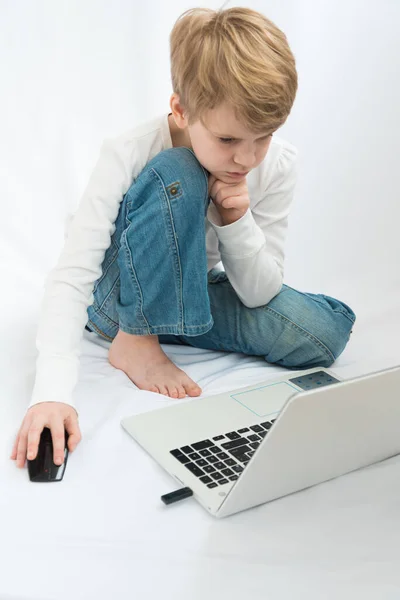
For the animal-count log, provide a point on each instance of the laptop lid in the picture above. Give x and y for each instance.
(319, 435)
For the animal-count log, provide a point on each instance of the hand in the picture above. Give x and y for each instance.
(54, 415)
(231, 199)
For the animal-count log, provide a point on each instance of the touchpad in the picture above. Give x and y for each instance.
(267, 399)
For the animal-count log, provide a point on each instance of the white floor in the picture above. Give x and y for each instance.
(103, 530)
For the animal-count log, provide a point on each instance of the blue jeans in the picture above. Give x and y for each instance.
(155, 281)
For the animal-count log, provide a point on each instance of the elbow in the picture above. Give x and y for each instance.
(263, 297)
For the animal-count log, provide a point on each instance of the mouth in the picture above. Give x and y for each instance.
(238, 174)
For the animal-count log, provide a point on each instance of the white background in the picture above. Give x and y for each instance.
(74, 72)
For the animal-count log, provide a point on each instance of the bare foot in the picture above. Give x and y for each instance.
(143, 360)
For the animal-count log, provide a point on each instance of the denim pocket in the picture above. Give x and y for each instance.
(174, 190)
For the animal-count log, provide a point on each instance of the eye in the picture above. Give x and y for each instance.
(230, 140)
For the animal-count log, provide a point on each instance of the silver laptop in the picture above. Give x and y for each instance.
(248, 446)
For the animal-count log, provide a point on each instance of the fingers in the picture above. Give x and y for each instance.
(46, 414)
(230, 196)
(211, 180)
(22, 444)
(58, 437)
(34, 433)
(13, 455)
(71, 425)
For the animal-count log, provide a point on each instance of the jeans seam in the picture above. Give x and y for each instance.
(98, 311)
(109, 293)
(166, 329)
(174, 246)
(345, 314)
(136, 281)
(97, 330)
(307, 334)
(111, 262)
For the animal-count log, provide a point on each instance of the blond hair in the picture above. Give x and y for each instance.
(236, 56)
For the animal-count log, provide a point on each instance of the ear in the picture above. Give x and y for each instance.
(178, 111)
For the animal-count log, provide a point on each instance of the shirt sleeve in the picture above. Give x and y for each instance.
(252, 248)
(69, 286)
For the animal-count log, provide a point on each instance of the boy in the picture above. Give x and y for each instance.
(166, 203)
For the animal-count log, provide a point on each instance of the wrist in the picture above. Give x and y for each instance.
(229, 219)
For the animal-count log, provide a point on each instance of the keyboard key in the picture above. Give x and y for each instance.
(229, 462)
(254, 445)
(201, 462)
(254, 438)
(218, 437)
(194, 456)
(233, 477)
(212, 459)
(239, 451)
(222, 481)
(216, 475)
(178, 455)
(202, 445)
(206, 479)
(237, 468)
(227, 472)
(222, 455)
(233, 435)
(219, 465)
(194, 469)
(212, 485)
(177, 452)
(234, 444)
(256, 428)
(242, 458)
(249, 454)
(215, 449)
(205, 452)
(263, 433)
(186, 449)
(267, 425)
(209, 469)
(272, 420)
(183, 458)
(243, 430)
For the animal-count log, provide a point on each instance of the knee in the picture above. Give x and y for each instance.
(296, 348)
(335, 325)
(174, 177)
(182, 166)
(177, 175)
(314, 333)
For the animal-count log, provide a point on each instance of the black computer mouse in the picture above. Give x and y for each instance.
(42, 468)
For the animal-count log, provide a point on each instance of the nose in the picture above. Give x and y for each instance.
(245, 160)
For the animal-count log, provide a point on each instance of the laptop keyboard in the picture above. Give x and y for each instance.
(221, 459)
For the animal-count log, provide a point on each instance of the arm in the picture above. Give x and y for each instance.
(252, 248)
(69, 286)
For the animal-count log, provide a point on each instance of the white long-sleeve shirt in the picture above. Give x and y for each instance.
(251, 249)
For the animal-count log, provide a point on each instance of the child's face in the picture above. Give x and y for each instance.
(222, 158)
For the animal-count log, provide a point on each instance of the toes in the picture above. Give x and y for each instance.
(193, 390)
(181, 391)
(173, 391)
(163, 389)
